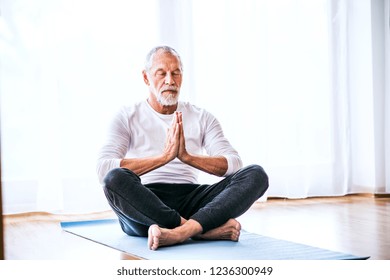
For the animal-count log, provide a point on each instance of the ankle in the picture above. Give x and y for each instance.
(187, 230)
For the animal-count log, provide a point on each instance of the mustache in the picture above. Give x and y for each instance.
(169, 88)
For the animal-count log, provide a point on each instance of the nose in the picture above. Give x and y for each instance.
(169, 79)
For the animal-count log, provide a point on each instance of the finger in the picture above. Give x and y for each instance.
(181, 132)
(177, 132)
(170, 133)
(180, 117)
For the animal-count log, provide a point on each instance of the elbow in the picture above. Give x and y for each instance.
(101, 171)
(234, 163)
(104, 166)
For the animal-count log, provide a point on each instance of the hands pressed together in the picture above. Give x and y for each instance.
(175, 141)
(175, 148)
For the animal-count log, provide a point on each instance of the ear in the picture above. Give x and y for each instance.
(145, 76)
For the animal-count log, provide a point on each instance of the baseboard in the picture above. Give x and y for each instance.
(382, 195)
(372, 195)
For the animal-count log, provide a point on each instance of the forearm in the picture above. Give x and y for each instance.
(142, 166)
(215, 165)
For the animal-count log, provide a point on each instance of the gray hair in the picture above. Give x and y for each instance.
(151, 54)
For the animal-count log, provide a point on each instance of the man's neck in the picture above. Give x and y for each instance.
(165, 110)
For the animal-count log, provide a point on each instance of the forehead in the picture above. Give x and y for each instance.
(165, 60)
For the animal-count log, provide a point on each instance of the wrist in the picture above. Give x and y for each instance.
(185, 157)
(165, 158)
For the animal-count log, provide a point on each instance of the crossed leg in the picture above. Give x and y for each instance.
(158, 237)
(230, 198)
(210, 208)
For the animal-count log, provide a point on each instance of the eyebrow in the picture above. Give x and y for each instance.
(163, 70)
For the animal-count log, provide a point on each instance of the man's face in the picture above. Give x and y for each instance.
(164, 78)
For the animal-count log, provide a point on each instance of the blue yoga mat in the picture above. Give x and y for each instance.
(250, 247)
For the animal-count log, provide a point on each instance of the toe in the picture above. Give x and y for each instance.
(153, 237)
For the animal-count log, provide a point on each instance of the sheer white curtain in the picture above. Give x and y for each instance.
(360, 50)
(66, 68)
(268, 80)
(300, 87)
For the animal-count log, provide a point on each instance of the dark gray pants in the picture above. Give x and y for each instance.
(138, 206)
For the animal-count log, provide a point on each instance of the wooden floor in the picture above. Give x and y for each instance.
(357, 225)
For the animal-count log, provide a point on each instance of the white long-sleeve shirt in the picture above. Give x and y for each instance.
(139, 131)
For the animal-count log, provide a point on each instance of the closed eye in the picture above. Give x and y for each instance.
(161, 73)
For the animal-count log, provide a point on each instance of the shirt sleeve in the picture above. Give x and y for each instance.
(216, 144)
(116, 145)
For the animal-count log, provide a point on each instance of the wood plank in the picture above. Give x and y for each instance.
(353, 224)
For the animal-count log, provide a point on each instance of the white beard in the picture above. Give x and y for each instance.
(168, 100)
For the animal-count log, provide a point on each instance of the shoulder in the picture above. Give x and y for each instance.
(127, 115)
(132, 110)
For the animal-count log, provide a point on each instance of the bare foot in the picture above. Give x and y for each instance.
(228, 231)
(158, 237)
(154, 234)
